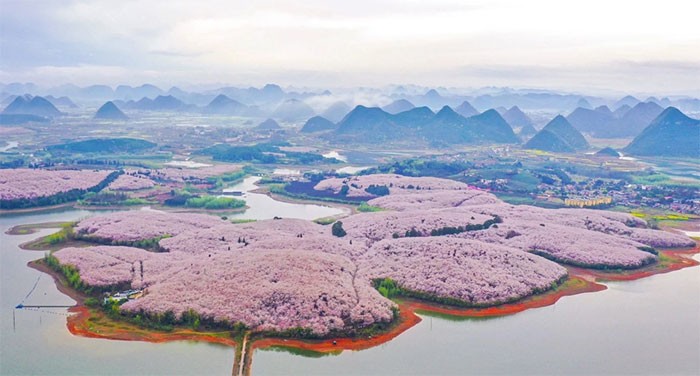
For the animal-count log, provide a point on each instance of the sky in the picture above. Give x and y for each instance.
(589, 46)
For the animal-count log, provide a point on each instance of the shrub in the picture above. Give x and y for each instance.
(337, 229)
(377, 190)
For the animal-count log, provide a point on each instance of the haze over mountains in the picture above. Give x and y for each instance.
(438, 117)
(627, 122)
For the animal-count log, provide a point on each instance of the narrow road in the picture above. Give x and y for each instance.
(243, 367)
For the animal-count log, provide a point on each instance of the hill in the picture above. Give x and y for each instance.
(584, 103)
(365, 120)
(268, 125)
(109, 111)
(61, 101)
(633, 122)
(564, 130)
(431, 99)
(628, 101)
(607, 152)
(604, 109)
(548, 141)
(223, 105)
(104, 145)
(448, 127)
(160, 103)
(527, 131)
(466, 109)
(398, 106)
(444, 127)
(414, 118)
(671, 134)
(293, 110)
(516, 118)
(596, 122)
(621, 111)
(32, 106)
(490, 126)
(317, 124)
(336, 112)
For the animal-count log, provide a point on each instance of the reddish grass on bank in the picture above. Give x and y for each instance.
(573, 286)
(407, 319)
(671, 260)
(94, 324)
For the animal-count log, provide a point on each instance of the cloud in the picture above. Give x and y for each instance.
(331, 43)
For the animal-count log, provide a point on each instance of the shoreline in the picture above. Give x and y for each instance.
(89, 323)
(347, 208)
(93, 323)
(37, 209)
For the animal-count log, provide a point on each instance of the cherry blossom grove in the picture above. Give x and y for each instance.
(131, 183)
(141, 225)
(444, 241)
(24, 183)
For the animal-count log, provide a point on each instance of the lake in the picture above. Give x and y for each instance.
(650, 326)
(262, 206)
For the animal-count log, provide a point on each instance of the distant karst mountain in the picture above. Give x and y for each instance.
(398, 106)
(603, 110)
(61, 101)
(293, 110)
(162, 103)
(634, 121)
(365, 120)
(317, 124)
(527, 131)
(620, 124)
(416, 117)
(562, 128)
(548, 141)
(621, 111)
(466, 109)
(595, 122)
(268, 125)
(27, 105)
(607, 152)
(558, 136)
(145, 90)
(431, 99)
(223, 105)
(109, 111)
(583, 103)
(671, 134)
(490, 126)
(336, 111)
(516, 117)
(444, 127)
(626, 101)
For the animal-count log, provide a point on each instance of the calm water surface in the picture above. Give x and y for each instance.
(264, 207)
(37, 342)
(650, 326)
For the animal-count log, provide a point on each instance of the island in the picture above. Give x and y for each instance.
(421, 243)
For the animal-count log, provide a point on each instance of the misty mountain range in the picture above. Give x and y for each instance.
(271, 95)
(424, 117)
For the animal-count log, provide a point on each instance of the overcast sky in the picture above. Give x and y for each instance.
(586, 46)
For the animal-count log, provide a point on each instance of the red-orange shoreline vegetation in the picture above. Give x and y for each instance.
(580, 281)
